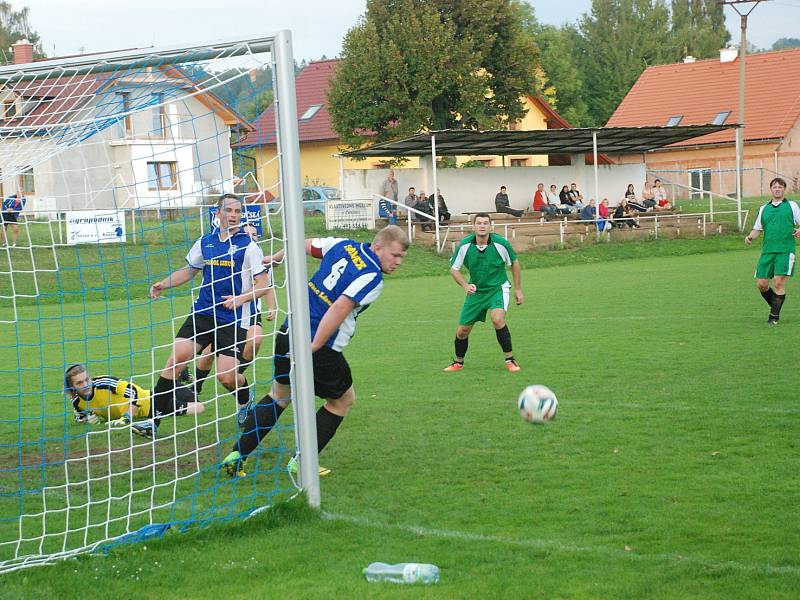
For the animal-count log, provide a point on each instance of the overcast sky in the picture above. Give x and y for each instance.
(71, 26)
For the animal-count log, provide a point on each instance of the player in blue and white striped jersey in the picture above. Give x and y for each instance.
(348, 281)
(9, 214)
(255, 331)
(233, 278)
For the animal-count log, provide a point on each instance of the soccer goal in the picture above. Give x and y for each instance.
(121, 158)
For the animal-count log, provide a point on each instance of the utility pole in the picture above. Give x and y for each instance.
(743, 14)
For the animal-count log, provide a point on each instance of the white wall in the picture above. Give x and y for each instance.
(469, 190)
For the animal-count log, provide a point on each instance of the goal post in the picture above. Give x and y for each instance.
(117, 160)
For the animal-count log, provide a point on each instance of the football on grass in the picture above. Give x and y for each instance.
(537, 404)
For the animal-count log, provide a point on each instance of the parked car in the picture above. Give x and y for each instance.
(314, 199)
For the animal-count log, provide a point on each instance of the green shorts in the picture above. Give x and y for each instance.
(771, 264)
(476, 305)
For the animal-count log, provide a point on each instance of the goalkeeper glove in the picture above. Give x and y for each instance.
(123, 421)
(86, 417)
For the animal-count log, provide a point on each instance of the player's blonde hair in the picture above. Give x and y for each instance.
(389, 234)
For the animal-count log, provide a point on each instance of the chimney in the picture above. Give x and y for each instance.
(689, 59)
(728, 54)
(23, 52)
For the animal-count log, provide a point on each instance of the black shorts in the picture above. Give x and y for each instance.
(255, 319)
(226, 339)
(332, 376)
(9, 217)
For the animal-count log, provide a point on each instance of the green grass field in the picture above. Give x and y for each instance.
(670, 472)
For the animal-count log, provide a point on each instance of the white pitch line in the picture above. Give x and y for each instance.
(542, 544)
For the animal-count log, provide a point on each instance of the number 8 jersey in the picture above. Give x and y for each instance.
(348, 268)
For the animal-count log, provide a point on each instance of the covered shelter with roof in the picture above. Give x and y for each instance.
(696, 92)
(471, 190)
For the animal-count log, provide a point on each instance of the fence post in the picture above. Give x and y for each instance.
(704, 224)
(656, 225)
(561, 231)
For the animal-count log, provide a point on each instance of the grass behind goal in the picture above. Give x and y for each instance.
(671, 469)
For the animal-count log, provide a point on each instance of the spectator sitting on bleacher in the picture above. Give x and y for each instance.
(444, 214)
(660, 196)
(604, 221)
(647, 196)
(565, 198)
(411, 199)
(632, 202)
(424, 205)
(588, 212)
(540, 201)
(501, 203)
(577, 197)
(623, 216)
(553, 199)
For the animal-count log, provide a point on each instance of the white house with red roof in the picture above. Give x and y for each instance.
(697, 92)
(145, 138)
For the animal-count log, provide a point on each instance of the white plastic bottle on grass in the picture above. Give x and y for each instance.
(402, 573)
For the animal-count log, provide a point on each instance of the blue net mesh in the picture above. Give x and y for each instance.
(119, 166)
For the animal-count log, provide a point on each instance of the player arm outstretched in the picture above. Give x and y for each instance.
(172, 280)
(516, 275)
(332, 320)
(313, 248)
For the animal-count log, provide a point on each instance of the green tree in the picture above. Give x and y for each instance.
(410, 65)
(786, 43)
(616, 42)
(560, 80)
(698, 28)
(15, 26)
(621, 38)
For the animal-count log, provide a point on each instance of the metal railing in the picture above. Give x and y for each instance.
(509, 230)
(421, 215)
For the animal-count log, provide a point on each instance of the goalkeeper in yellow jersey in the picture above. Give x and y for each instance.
(116, 400)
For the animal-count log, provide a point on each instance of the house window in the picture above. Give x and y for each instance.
(721, 118)
(27, 184)
(124, 104)
(9, 109)
(162, 176)
(519, 162)
(310, 112)
(160, 118)
(673, 121)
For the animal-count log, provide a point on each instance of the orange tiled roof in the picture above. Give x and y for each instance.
(311, 87)
(700, 90)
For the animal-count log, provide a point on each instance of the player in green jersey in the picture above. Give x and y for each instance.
(779, 219)
(486, 256)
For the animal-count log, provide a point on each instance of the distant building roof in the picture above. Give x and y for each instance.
(700, 92)
(697, 93)
(311, 86)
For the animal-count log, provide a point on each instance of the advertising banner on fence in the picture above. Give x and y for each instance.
(95, 227)
(250, 216)
(349, 214)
